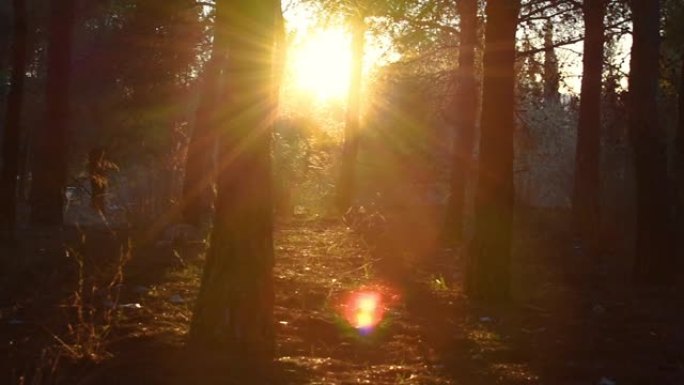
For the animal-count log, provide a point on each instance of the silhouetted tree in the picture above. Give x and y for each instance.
(350, 147)
(50, 159)
(551, 70)
(489, 266)
(679, 161)
(680, 130)
(465, 116)
(654, 241)
(199, 165)
(586, 193)
(234, 310)
(11, 140)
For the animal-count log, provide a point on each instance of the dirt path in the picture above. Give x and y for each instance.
(427, 336)
(318, 266)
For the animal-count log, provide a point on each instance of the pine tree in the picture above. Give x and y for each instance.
(490, 254)
(234, 310)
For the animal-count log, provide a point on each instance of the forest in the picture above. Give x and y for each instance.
(341, 192)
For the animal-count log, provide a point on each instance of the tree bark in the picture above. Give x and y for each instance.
(200, 175)
(489, 266)
(12, 134)
(50, 163)
(679, 164)
(680, 156)
(586, 192)
(347, 183)
(654, 240)
(680, 131)
(551, 71)
(465, 118)
(234, 310)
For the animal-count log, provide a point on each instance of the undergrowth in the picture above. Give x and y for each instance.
(90, 313)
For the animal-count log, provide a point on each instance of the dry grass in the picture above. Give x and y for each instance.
(431, 333)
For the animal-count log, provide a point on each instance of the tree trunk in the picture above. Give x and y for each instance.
(199, 167)
(50, 164)
(465, 118)
(347, 182)
(586, 193)
(654, 240)
(680, 131)
(679, 156)
(11, 141)
(551, 71)
(490, 254)
(234, 310)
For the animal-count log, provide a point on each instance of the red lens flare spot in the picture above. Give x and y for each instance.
(364, 309)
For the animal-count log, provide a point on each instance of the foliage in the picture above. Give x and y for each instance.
(304, 155)
(133, 105)
(403, 143)
(92, 309)
(545, 147)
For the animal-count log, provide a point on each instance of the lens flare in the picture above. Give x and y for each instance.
(364, 309)
(367, 309)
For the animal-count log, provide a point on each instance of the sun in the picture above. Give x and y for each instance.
(320, 63)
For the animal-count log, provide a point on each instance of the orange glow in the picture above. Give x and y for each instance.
(365, 309)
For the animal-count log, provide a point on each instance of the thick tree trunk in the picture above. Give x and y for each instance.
(678, 172)
(347, 183)
(11, 141)
(198, 193)
(680, 156)
(465, 118)
(489, 266)
(586, 193)
(5, 36)
(680, 131)
(234, 310)
(654, 240)
(50, 163)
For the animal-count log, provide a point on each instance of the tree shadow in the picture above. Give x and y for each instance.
(163, 361)
(573, 319)
(468, 342)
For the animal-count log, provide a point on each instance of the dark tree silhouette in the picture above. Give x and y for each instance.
(680, 130)
(234, 310)
(679, 160)
(551, 70)
(465, 117)
(350, 147)
(586, 194)
(654, 238)
(11, 140)
(199, 165)
(50, 155)
(488, 275)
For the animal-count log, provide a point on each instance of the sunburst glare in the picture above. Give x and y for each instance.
(320, 63)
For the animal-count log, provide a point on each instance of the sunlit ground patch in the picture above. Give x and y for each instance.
(365, 308)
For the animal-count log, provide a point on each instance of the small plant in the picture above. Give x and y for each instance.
(438, 283)
(92, 309)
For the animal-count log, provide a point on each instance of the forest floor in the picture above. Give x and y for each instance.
(571, 321)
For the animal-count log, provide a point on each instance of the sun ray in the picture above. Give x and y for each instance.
(320, 64)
